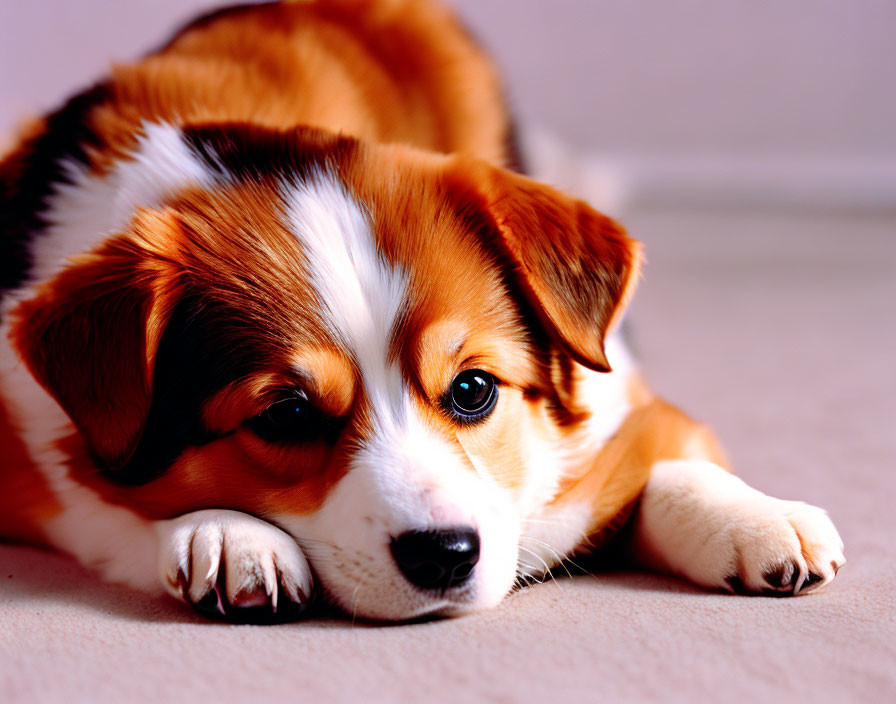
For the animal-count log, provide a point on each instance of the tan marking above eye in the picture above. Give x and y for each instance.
(437, 357)
(331, 377)
(324, 374)
(447, 347)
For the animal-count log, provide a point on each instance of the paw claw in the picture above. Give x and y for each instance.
(811, 580)
(784, 577)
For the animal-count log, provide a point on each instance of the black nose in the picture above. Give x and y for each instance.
(437, 559)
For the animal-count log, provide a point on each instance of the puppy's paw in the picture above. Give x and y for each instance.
(231, 565)
(781, 548)
(697, 520)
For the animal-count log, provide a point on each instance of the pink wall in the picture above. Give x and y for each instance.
(801, 77)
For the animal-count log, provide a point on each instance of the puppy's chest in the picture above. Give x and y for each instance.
(557, 528)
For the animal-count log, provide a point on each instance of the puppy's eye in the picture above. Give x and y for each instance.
(293, 418)
(473, 394)
(287, 414)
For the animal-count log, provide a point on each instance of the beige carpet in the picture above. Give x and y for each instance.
(779, 330)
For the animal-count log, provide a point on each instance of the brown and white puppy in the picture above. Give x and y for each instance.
(276, 316)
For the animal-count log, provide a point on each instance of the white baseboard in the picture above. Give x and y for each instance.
(618, 184)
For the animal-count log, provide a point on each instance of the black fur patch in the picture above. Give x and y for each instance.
(251, 153)
(29, 176)
(194, 360)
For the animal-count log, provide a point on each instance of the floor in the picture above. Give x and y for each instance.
(778, 330)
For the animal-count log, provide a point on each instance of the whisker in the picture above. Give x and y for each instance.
(561, 560)
(556, 555)
(545, 521)
(528, 568)
(539, 558)
(328, 543)
(355, 601)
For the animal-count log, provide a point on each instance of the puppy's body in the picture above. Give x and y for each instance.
(273, 307)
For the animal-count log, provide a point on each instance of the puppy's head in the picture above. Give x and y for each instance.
(359, 344)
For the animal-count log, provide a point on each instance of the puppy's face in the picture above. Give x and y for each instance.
(363, 345)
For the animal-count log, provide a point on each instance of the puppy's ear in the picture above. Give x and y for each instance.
(90, 335)
(577, 267)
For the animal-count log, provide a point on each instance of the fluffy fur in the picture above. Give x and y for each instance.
(319, 204)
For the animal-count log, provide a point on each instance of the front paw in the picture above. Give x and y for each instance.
(781, 548)
(230, 565)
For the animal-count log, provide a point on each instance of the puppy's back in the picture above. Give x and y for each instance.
(382, 70)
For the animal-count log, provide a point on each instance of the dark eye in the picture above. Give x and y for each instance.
(473, 394)
(292, 418)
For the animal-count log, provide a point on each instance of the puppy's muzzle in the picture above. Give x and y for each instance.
(441, 559)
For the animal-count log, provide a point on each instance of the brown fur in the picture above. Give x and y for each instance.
(120, 292)
(652, 432)
(26, 501)
(381, 70)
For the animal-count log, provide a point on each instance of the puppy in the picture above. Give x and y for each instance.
(279, 317)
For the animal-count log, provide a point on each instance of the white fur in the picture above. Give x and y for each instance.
(361, 293)
(82, 213)
(606, 395)
(697, 520)
(551, 534)
(406, 478)
(114, 541)
(253, 554)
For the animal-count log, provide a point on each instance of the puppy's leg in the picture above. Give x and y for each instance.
(696, 520)
(225, 563)
(691, 516)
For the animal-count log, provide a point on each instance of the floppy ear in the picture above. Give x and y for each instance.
(576, 266)
(90, 335)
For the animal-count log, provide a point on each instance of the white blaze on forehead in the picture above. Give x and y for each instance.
(405, 476)
(360, 292)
